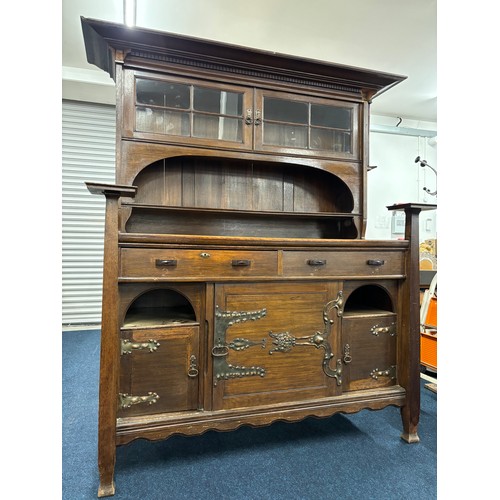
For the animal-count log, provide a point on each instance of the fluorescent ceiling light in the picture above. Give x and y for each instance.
(129, 12)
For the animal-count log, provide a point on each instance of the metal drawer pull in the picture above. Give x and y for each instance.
(166, 262)
(375, 262)
(316, 262)
(240, 263)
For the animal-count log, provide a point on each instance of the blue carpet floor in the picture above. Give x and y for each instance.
(358, 456)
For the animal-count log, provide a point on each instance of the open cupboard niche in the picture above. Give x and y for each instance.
(158, 308)
(234, 197)
(369, 335)
(160, 354)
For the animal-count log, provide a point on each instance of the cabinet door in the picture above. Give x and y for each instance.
(272, 344)
(306, 125)
(159, 370)
(369, 350)
(186, 111)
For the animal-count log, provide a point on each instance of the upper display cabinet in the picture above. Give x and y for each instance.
(204, 125)
(191, 90)
(196, 112)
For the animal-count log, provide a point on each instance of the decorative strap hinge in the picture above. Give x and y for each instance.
(223, 320)
(127, 346)
(390, 372)
(127, 400)
(285, 342)
(377, 330)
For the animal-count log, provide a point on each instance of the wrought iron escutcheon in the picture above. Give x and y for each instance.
(285, 342)
(223, 320)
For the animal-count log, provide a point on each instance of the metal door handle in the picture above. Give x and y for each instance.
(193, 367)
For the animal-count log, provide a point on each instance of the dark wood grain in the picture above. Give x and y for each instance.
(235, 265)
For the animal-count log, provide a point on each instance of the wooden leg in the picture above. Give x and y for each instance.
(106, 484)
(410, 424)
(110, 354)
(409, 334)
(106, 449)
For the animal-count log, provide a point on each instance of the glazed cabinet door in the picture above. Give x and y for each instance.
(312, 126)
(275, 343)
(180, 110)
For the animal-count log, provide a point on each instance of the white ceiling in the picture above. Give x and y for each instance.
(395, 36)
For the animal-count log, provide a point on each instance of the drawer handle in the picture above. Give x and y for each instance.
(166, 262)
(240, 263)
(375, 262)
(316, 262)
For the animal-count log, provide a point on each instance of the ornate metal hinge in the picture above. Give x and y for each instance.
(390, 372)
(127, 346)
(377, 330)
(127, 400)
(285, 342)
(223, 320)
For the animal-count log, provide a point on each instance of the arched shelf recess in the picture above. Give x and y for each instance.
(159, 307)
(368, 299)
(228, 197)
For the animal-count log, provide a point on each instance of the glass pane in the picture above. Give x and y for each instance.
(218, 101)
(171, 95)
(329, 116)
(159, 121)
(331, 140)
(285, 111)
(215, 127)
(285, 135)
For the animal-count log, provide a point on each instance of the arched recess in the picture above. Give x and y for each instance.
(159, 307)
(229, 183)
(368, 297)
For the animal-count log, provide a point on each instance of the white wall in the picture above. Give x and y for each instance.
(398, 179)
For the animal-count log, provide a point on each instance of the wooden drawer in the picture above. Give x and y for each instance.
(343, 263)
(156, 263)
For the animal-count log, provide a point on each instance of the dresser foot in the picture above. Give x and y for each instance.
(106, 489)
(410, 437)
(410, 414)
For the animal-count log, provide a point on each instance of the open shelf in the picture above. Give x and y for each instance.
(222, 222)
(197, 210)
